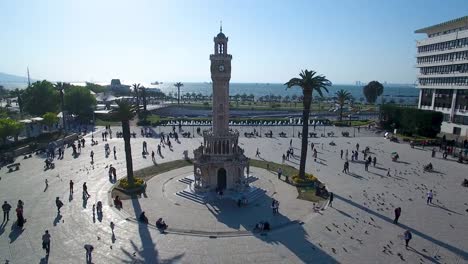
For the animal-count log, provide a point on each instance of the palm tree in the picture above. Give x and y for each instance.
(60, 86)
(125, 112)
(178, 85)
(309, 82)
(143, 96)
(136, 90)
(341, 97)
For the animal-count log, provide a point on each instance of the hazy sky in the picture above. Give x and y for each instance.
(271, 41)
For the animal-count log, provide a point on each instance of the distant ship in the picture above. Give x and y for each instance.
(156, 83)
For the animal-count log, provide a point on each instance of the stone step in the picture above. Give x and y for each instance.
(251, 179)
(252, 196)
(186, 181)
(191, 196)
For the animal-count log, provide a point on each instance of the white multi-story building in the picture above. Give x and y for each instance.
(442, 60)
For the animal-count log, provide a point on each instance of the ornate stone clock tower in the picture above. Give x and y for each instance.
(220, 75)
(219, 162)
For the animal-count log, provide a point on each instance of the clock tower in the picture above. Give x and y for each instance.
(220, 75)
(219, 163)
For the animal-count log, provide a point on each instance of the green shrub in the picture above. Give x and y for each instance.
(308, 179)
(411, 121)
(137, 182)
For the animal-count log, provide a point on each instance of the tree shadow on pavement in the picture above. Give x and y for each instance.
(458, 251)
(288, 232)
(148, 252)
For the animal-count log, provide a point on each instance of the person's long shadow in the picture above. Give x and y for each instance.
(460, 252)
(227, 212)
(15, 232)
(57, 219)
(431, 259)
(444, 208)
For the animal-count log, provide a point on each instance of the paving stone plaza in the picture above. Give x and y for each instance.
(357, 229)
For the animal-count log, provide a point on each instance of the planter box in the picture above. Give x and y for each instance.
(136, 190)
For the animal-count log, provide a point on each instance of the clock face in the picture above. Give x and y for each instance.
(221, 68)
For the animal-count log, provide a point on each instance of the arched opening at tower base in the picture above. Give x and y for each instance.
(221, 179)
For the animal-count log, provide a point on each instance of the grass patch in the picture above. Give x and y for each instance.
(353, 122)
(100, 122)
(149, 172)
(308, 193)
(305, 193)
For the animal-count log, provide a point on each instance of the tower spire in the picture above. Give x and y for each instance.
(221, 26)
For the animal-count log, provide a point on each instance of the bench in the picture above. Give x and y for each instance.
(313, 135)
(16, 167)
(269, 135)
(345, 134)
(186, 134)
(27, 155)
(282, 134)
(330, 134)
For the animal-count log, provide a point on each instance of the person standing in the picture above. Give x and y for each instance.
(341, 154)
(85, 190)
(46, 183)
(374, 160)
(280, 171)
(89, 250)
(388, 172)
(6, 207)
(331, 199)
(397, 215)
(71, 187)
(429, 197)
(115, 152)
(46, 242)
(92, 156)
(408, 236)
(152, 156)
(59, 204)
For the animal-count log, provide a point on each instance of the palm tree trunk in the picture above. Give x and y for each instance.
(128, 149)
(341, 113)
(305, 133)
(178, 95)
(63, 111)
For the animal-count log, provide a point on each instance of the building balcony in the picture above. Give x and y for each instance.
(443, 75)
(442, 86)
(439, 52)
(441, 63)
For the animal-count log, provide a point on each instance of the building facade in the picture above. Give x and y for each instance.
(219, 163)
(442, 60)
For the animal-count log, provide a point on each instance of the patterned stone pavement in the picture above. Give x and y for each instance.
(358, 229)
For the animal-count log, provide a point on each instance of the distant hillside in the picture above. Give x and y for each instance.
(10, 81)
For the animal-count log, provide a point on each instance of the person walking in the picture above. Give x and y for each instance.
(397, 215)
(6, 207)
(85, 190)
(71, 187)
(331, 199)
(115, 152)
(429, 197)
(341, 154)
(46, 184)
(408, 236)
(92, 156)
(89, 250)
(59, 204)
(374, 160)
(280, 171)
(152, 156)
(46, 242)
(257, 153)
(388, 172)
